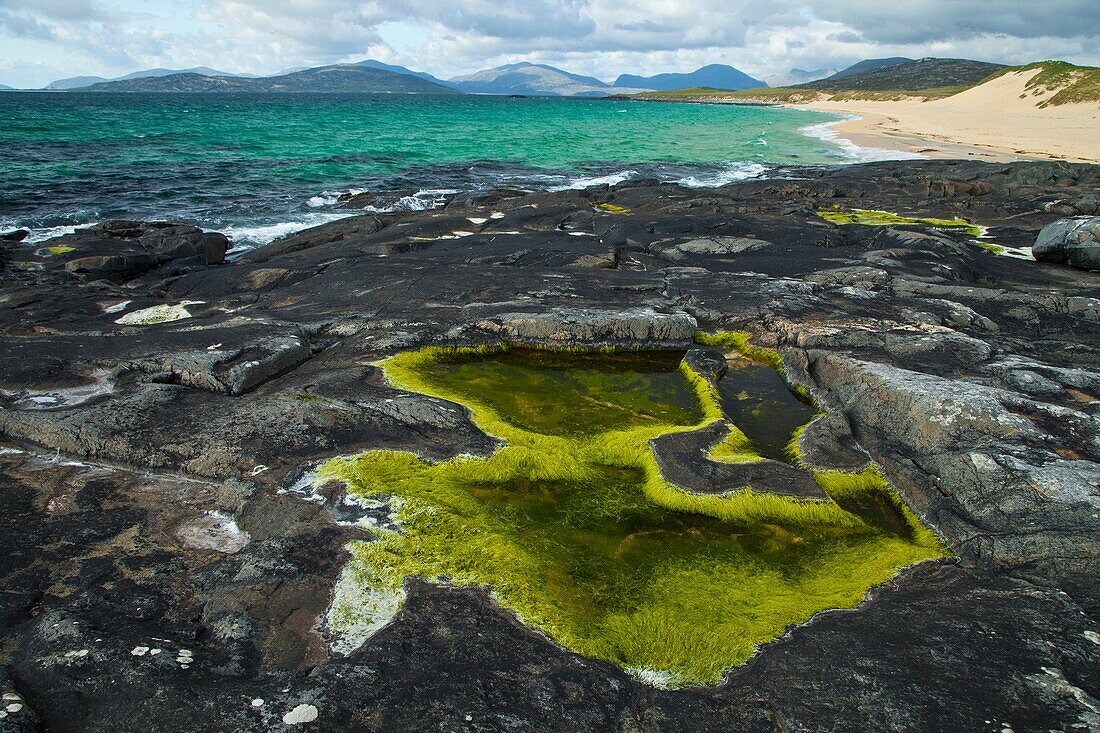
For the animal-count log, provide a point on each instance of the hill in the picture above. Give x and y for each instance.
(867, 65)
(714, 76)
(6, 88)
(340, 78)
(77, 82)
(927, 73)
(798, 76)
(372, 64)
(531, 79)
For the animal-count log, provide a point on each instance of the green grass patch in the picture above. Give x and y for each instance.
(775, 95)
(572, 525)
(897, 95)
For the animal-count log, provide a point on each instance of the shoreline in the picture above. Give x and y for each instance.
(869, 131)
(1004, 119)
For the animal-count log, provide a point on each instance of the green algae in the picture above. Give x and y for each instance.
(573, 527)
(871, 217)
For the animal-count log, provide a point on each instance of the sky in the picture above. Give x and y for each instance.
(44, 40)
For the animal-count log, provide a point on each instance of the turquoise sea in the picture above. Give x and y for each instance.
(259, 166)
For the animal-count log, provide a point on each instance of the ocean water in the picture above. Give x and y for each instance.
(261, 166)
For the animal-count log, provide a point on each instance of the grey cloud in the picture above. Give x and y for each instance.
(21, 26)
(924, 21)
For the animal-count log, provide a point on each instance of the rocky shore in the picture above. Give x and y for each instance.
(166, 567)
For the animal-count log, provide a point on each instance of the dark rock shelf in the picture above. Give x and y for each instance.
(158, 405)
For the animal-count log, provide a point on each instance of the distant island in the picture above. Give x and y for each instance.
(371, 76)
(716, 76)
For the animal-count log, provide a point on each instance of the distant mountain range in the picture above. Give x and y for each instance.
(524, 78)
(529, 79)
(5, 88)
(78, 82)
(532, 79)
(866, 65)
(798, 76)
(715, 76)
(340, 78)
(928, 73)
(372, 64)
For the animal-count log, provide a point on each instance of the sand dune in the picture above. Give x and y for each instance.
(1000, 116)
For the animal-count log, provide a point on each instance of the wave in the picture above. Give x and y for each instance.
(583, 182)
(732, 174)
(825, 131)
(41, 234)
(246, 237)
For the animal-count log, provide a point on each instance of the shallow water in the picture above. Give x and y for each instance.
(260, 166)
(569, 394)
(759, 402)
(575, 531)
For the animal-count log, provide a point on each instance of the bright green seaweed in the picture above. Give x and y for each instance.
(871, 217)
(573, 527)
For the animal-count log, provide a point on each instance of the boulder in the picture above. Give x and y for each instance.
(15, 236)
(637, 327)
(123, 250)
(1074, 242)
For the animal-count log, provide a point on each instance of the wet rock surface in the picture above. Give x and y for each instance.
(1074, 242)
(167, 563)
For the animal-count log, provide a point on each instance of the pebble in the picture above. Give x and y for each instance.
(258, 702)
(304, 713)
(139, 651)
(15, 707)
(12, 696)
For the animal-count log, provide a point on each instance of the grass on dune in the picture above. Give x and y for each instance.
(1071, 84)
(897, 95)
(574, 528)
(763, 94)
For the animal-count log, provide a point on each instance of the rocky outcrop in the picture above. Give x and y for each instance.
(638, 328)
(1074, 242)
(683, 461)
(195, 523)
(989, 468)
(123, 250)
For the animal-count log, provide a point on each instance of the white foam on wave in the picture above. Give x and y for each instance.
(426, 198)
(826, 132)
(248, 237)
(734, 173)
(41, 234)
(582, 182)
(331, 198)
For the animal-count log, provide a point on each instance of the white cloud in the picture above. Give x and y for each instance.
(599, 37)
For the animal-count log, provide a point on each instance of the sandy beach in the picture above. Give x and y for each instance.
(995, 121)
